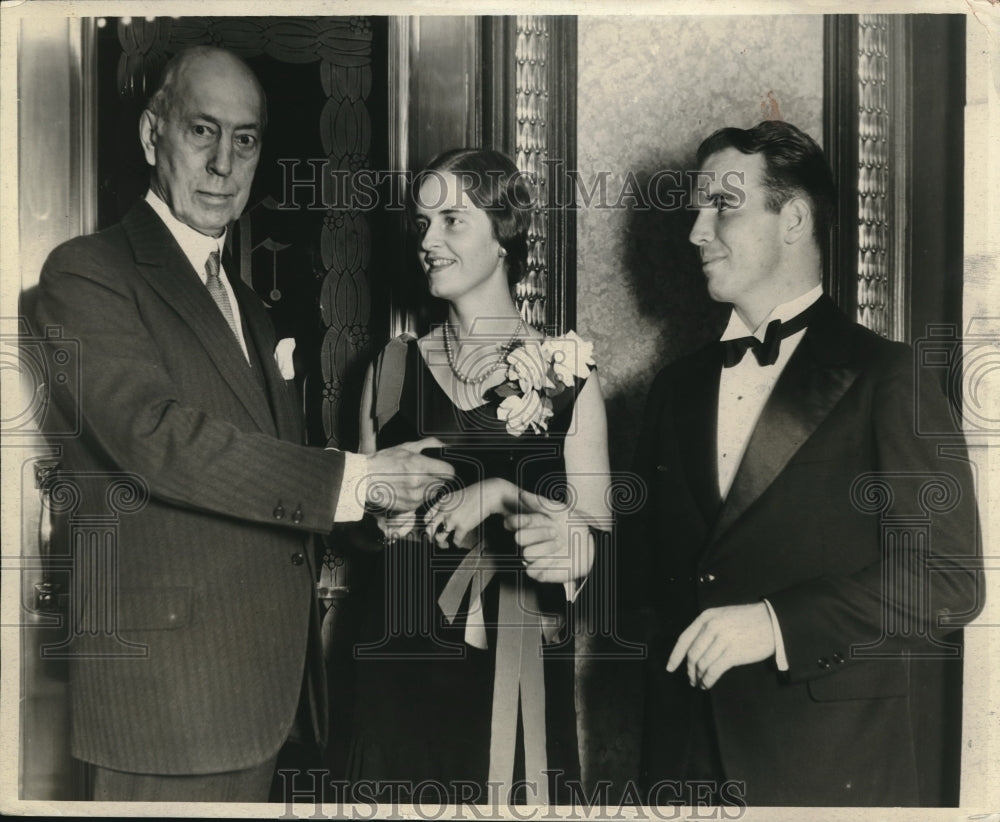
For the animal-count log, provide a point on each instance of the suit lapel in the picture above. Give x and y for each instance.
(282, 395)
(160, 261)
(817, 375)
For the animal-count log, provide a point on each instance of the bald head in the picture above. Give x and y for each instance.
(192, 65)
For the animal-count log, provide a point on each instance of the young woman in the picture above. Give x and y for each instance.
(464, 677)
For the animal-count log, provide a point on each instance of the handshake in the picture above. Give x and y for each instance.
(402, 479)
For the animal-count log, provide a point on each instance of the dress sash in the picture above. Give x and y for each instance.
(519, 676)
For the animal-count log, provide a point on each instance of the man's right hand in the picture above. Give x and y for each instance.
(400, 477)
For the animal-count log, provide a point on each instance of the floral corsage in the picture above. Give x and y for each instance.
(537, 372)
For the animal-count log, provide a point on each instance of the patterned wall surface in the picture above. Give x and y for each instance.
(650, 89)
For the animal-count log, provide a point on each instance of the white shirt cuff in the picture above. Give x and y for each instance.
(779, 643)
(353, 489)
(574, 586)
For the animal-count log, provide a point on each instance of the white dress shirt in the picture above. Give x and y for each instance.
(743, 392)
(350, 503)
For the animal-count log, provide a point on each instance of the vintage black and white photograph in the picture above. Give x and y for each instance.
(536, 410)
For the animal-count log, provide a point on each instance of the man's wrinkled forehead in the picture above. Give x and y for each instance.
(210, 83)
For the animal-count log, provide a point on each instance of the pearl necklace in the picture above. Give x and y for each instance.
(496, 366)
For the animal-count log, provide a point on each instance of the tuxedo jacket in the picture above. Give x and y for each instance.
(861, 535)
(189, 625)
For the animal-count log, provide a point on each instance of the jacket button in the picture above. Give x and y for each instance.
(838, 658)
(279, 511)
(823, 662)
(298, 558)
(704, 579)
(297, 516)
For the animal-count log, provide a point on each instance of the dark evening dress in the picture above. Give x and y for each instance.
(425, 696)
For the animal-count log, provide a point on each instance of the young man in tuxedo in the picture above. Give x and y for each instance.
(180, 400)
(784, 621)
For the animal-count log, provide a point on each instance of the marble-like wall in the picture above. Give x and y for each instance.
(649, 90)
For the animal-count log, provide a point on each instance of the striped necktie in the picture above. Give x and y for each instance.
(218, 291)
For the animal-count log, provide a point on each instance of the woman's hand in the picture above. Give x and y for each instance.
(556, 544)
(458, 514)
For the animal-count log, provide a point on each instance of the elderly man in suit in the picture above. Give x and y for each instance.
(783, 625)
(179, 390)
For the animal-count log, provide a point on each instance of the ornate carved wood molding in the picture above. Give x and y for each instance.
(868, 141)
(536, 125)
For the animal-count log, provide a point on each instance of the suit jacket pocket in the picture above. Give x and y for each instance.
(154, 609)
(862, 680)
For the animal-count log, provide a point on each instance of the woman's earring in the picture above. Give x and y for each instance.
(503, 252)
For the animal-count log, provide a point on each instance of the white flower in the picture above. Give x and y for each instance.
(521, 413)
(526, 368)
(283, 357)
(571, 356)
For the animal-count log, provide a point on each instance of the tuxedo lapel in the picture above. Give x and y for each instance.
(696, 415)
(162, 264)
(817, 375)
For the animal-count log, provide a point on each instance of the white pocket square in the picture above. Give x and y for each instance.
(283, 357)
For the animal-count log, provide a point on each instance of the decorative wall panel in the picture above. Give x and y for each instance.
(873, 172)
(868, 126)
(345, 303)
(531, 117)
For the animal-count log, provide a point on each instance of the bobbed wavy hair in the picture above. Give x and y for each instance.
(493, 183)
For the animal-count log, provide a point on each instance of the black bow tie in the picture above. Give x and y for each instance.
(766, 350)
